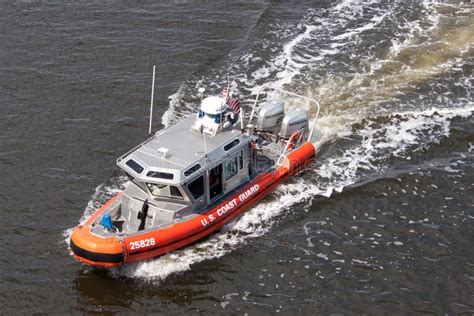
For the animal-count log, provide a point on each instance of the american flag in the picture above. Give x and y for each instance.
(234, 104)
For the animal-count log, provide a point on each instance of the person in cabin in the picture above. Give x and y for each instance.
(214, 183)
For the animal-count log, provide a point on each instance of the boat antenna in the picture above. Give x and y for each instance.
(206, 169)
(228, 84)
(227, 96)
(205, 146)
(151, 102)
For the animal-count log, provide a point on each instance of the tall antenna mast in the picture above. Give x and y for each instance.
(228, 84)
(151, 102)
(226, 97)
(205, 146)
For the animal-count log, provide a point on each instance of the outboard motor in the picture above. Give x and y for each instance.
(270, 116)
(294, 121)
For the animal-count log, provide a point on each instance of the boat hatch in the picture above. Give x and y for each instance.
(134, 166)
(191, 170)
(232, 144)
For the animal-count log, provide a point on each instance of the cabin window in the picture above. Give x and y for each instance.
(164, 190)
(160, 175)
(191, 170)
(196, 187)
(211, 116)
(230, 168)
(139, 184)
(134, 166)
(232, 144)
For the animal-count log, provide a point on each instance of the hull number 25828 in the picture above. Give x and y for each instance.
(142, 243)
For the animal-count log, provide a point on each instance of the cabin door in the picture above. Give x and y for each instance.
(215, 182)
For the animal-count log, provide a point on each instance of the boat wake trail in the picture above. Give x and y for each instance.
(382, 99)
(401, 135)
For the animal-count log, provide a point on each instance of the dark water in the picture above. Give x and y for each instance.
(381, 224)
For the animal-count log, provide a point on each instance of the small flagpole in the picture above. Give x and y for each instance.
(151, 102)
(205, 147)
(227, 96)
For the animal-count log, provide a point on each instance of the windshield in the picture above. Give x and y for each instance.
(164, 190)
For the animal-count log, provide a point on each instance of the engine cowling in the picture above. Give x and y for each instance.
(294, 121)
(271, 116)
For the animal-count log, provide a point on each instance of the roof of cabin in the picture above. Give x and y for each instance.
(184, 148)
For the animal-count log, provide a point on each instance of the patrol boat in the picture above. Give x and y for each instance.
(188, 180)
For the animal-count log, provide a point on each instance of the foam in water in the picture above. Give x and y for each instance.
(398, 137)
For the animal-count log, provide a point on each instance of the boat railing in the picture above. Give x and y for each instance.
(135, 148)
(310, 100)
(172, 163)
(146, 141)
(288, 148)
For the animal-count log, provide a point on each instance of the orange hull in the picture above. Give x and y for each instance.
(112, 251)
